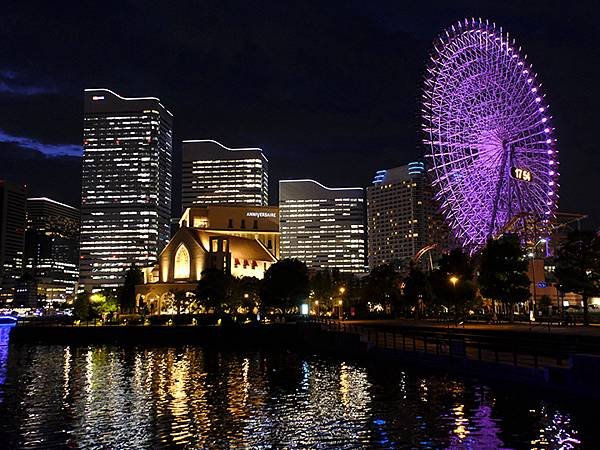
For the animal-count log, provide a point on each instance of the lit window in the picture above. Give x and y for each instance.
(182, 263)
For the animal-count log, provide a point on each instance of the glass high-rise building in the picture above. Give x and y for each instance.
(52, 248)
(213, 174)
(402, 217)
(126, 185)
(322, 226)
(13, 199)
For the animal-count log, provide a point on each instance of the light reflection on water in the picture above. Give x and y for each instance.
(126, 397)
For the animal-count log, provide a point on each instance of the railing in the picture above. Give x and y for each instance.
(497, 350)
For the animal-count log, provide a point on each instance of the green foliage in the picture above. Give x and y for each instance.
(417, 288)
(460, 294)
(89, 306)
(133, 277)
(103, 303)
(578, 266)
(286, 285)
(214, 289)
(247, 292)
(353, 296)
(322, 286)
(503, 271)
(82, 308)
(325, 287)
(182, 301)
(383, 286)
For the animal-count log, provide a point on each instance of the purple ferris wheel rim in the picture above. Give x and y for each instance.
(490, 145)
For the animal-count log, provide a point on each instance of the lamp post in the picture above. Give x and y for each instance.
(454, 279)
(532, 255)
(340, 302)
(317, 307)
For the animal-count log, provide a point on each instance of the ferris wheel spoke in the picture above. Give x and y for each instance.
(484, 114)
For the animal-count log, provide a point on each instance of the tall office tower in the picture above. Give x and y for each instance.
(213, 174)
(324, 227)
(402, 217)
(126, 185)
(52, 248)
(12, 234)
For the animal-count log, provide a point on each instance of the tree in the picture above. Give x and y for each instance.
(578, 266)
(133, 277)
(325, 285)
(322, 287)
(417, 290)
(179, 297)
(503, 271)
(452, 282)
(248, 292)
(383, 286)
(546, 303)
(81, 306)
(285, 285)
(353, 297)
(214, 289)
(103, 303)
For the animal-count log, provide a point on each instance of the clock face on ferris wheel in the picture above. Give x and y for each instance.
(490, 144)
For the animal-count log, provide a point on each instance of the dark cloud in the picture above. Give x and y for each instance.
(8, 74)
(7, 88)
(47, 149)
(13, 84)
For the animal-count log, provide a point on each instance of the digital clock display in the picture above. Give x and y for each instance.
(520, 174)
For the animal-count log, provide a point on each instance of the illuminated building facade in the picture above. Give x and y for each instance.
(213, 174)
(126, 185)
(322, 226)
(402, 217)
(256, 222)
(52, 249)
(242, 241)
(13, 199)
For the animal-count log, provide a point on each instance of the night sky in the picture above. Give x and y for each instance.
(329, 90)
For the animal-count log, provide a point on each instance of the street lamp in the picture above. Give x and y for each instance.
(454, 279)
(532, 256)
(317, 307)
(340, 302)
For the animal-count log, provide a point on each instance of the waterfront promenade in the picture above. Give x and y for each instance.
(516, 327)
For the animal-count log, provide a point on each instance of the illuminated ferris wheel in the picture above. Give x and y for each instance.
(490, 143)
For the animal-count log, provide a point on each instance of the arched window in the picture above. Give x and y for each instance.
(182, 263)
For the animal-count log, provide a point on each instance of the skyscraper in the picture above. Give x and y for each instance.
(52, 248)
(126, 185)
(401, 215)
(12, 233)
(213, 174)
(322, 226)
